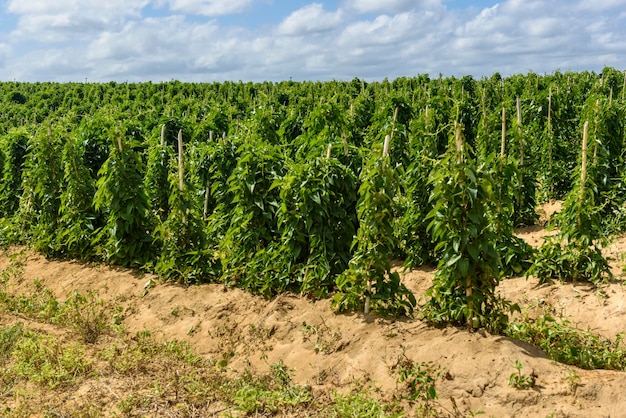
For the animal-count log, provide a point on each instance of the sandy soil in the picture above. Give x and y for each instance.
(331, 352)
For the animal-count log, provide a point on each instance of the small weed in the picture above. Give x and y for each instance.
(271, 393)
(41, 305)
(519, 380)
(15, 270)
(361, 403)
(131, 403)
(43, 359)
(9, 337)
(569, 345)
(573, 380)
(326, 341)
(228, 337)
(419, 380)
(87, 315)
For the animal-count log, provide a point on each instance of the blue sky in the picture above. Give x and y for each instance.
(257, 40)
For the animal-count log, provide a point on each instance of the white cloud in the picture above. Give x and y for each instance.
(390, 6)
(107, 7)
(5, 50)
(155, 46)
(383, 30)
(59, 20)
(596, 6)
(310, 19)
(111, 40)
(208, 7)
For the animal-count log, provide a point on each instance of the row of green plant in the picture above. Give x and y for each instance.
(297, 194)
(544, 112)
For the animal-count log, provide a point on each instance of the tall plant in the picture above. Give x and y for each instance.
(39, 207)
(78, 220)
(317, 220)
(573, 253)
(125, 238)
(15, 146)
(156, 181)
(184, 253)
(252, 220)
(463, 291)
(369, 283)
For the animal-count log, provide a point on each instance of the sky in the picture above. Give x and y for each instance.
(274, 40)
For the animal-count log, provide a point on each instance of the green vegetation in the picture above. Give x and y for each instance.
(283, 187)
(566, 344)
(520, 380)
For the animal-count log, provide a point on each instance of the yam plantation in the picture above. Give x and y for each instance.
(316, 187)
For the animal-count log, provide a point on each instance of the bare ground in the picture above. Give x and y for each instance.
(331, 352)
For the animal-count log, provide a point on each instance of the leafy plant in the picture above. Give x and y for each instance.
(38, 213)
(156, 182)
(78, 219)
(185, 255)
(420, 381)
(566, 344)
(125, 238)
(579, 225)
(317, 220)
(463, 291)
(519, 380)
(15, 148)
(369, 282)
(253, 222)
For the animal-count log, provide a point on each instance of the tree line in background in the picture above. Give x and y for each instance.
(314, 187)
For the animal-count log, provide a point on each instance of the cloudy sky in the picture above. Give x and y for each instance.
(257, 40)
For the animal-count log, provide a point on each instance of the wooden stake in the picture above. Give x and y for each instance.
(206, 199)
(386, 146)
(329, 151)
(395, 118)
(550, 137)
(485, 124)
(345, 144)
(550, 110)
(624, 86)
(503, 137)
(458, 138)
(583, 169)
(519, 131)
(163, 135)
(595, 133)
(181, 174)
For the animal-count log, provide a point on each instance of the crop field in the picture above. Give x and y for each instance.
(414, 247)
